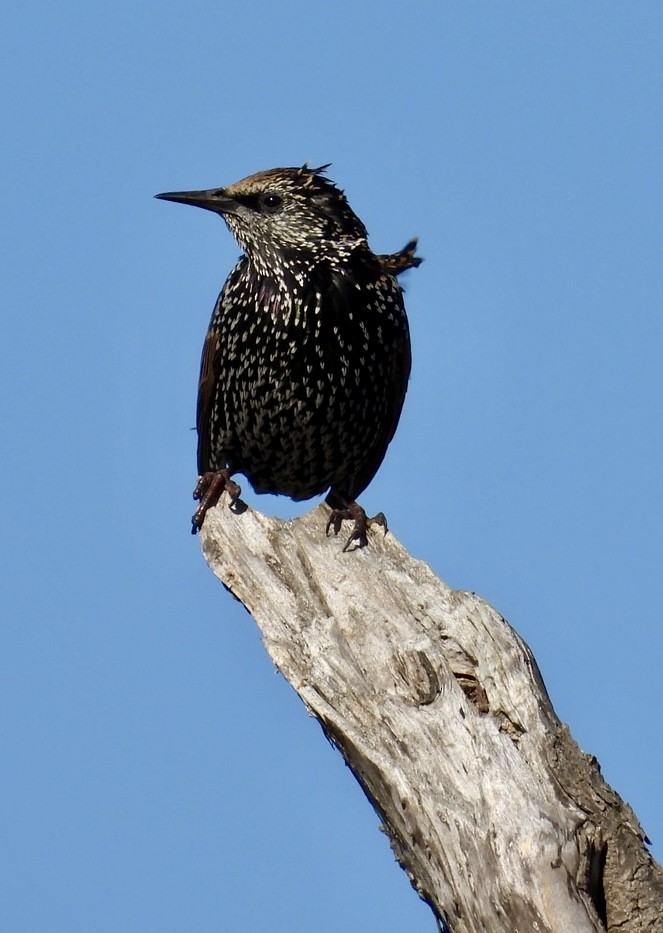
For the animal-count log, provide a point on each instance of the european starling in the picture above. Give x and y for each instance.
(307, 356)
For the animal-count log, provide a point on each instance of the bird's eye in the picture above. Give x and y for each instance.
(271, 202)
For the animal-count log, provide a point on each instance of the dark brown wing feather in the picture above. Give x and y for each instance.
(210, 416)
(210, 365)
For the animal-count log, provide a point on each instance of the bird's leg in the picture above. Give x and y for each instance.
(208, 491)
(354, 512)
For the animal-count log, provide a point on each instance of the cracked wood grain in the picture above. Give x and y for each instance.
(438, 707)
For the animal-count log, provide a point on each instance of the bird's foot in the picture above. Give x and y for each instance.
(208, 492)
(354, 512)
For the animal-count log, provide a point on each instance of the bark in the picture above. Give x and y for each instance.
(501, 822)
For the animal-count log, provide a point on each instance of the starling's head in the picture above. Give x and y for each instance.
(282, 211)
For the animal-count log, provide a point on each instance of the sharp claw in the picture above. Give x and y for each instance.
(208, 491)
(335, 521)
(355, 513)
(357, 535)
(233, 491)
(379, 519)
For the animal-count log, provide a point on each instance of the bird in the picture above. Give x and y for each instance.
(307, 357)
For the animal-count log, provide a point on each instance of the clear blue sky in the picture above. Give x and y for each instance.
(157, 776)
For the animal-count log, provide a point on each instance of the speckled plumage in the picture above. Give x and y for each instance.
(307, 356)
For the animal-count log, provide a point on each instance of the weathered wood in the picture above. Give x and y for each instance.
(438, 707)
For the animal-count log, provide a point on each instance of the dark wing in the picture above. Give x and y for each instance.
(211, 365)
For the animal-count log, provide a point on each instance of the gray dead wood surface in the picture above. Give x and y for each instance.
(438, 707)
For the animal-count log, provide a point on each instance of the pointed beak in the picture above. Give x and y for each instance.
(215, 199)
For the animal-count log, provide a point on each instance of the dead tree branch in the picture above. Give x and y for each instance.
(438, 707)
